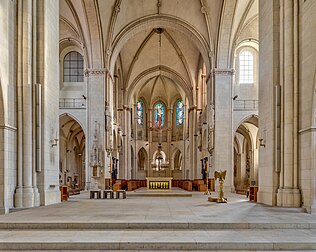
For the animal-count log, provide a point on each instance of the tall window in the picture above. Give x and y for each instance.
(73, 67)
(179, 112)
(140, 112)
(245, 67)
(159, 114)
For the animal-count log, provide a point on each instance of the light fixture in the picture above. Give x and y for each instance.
(159, 31)
(262, 138)
(54, 142)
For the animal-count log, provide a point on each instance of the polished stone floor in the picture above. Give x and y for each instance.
(195, 209)
(158, 223)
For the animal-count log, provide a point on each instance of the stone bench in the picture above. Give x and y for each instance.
(118, 192)
(108, 192)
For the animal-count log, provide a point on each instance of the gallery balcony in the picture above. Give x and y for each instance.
(72, 103)
(246, 105)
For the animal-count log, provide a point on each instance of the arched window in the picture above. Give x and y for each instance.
(140, 112)
(179, 113)
(73, 67)
(246, 67)
(159, 114)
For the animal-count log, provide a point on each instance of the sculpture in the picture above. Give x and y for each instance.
(220, 175)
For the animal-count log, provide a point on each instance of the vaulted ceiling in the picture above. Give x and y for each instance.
(150, 38)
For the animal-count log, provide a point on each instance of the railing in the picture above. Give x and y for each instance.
(72, 103)
(245, 105)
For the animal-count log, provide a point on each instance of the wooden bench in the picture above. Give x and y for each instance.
(118, 192)
(202, 187)
(106, 192)
(74, 191)
(95, 192)
(241, 191)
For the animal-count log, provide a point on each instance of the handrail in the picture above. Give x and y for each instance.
(72, 103)
(245, 105)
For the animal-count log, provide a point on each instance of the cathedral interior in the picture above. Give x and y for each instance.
(99, 92)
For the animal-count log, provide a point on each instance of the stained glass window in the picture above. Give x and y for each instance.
(179, 113)
(159, 114)
(140, 112)
(246, 68)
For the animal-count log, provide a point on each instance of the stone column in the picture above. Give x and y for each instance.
(18, 197)
(289, 195)
(37, 105)
(194, 149)
(150, 139)
(135, 172)
(191, 141)
(128, 139)
(169, 138)
(269, 77)
(28, 194)
(125, 144)
(223, 125)
(96, 83)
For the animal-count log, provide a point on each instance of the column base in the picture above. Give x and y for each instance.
(267, 198)
(18, 198)
(313, 209)
(4, 211)
(36, 197)
(49, 197)
(288, 197)
(28, 197)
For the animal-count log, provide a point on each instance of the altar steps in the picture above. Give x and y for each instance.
(165, 224)
(172, 226)
(166, 240)
(143, 192)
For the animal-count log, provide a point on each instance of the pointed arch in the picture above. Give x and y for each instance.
(142, 159)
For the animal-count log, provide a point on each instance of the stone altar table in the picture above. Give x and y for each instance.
(154, 183)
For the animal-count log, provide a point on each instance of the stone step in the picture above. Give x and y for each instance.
(152, 225)
(278, 239)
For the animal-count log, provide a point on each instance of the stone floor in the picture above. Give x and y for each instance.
(158, 223)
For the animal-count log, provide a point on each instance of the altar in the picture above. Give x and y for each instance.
(159, 183)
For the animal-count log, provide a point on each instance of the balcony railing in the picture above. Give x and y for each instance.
(245, 105)
(72, 103)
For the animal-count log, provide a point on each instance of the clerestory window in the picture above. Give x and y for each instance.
(73, 67)
(246, 66)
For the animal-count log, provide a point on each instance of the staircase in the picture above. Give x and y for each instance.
(158, 223)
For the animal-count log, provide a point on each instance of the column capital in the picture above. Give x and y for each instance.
(95, 71)
(223, 71)
(192, 108)
(126, 107)
(98, 72)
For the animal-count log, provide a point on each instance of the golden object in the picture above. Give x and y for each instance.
(220, 175)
